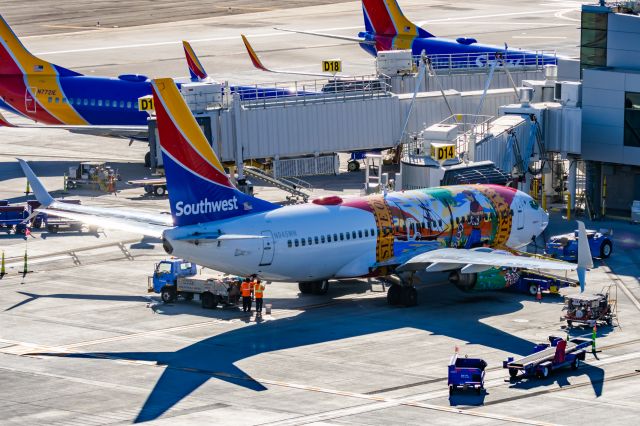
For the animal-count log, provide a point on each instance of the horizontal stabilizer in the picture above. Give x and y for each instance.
(338, 37)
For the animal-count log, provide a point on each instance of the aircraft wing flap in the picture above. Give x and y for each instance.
(120, 224)
(452, 258)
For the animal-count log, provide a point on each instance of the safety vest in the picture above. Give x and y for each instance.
(245, 288)
(258, 290)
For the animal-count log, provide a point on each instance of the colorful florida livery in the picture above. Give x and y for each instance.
(459, 229)
(387, 28)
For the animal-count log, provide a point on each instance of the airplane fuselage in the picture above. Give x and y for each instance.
(357, 236)
(463, 52)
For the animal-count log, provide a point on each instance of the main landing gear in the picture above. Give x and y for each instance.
(314, 287)
(403, 293)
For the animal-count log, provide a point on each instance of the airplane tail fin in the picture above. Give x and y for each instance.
(15, 59)
(199, 189)
(385, 18)
(196, 69)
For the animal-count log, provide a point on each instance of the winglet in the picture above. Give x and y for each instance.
(253, 55)
(196, 69)
(38, 188)
(585, 261)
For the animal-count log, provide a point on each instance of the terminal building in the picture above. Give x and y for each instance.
(610, 68)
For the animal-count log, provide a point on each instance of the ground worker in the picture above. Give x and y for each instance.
(245, 290)
(258, 291)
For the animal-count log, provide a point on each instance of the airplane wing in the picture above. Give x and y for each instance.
(258, 63)
(477, 260)
(338, 37)
(149, 224)
(125, 132)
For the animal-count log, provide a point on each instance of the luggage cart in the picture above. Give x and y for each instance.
(466, 373)
(547, 357)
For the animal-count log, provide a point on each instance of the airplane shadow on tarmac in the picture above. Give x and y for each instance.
(443, 310)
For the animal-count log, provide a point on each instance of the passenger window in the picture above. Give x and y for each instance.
(93, 102)
(440, 221)
(309, 241)
(64, 100)
(366, 232)
(353, 235)
(289, 243)
(70, 101)
(129, 105)
(85, 102)
(78, 101)
(335, 237)
(315, 240)
(107, 102)
(296, 242)
(49, 99)
(341, 236)
(99, 102)
(303, 242)
(57, 100)
(322, 239)
(346, 234)
(373, 232)
(121, 104)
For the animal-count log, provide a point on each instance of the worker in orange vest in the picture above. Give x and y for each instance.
(258, 291)
(245, 291)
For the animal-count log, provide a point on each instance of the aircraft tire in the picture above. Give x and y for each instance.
(409, 296)
(394, 295)
(306, 287)
(353, 166)
(320, 287)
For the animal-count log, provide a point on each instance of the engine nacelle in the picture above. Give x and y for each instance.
(465, 282)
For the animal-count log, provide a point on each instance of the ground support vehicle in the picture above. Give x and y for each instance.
(589, 309)
(546, 357)
(92, 174)
(466, 373)
(13, 218)
(565, 247)
(529, 281)
(175, 278)
(54, 224)
(156, 186)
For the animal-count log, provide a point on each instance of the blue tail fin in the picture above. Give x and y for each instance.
(199, 189)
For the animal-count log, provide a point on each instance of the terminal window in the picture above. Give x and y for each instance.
(632, 119)
(593, 39)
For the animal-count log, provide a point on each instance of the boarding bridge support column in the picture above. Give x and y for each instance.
(571, 184)
(237, 110)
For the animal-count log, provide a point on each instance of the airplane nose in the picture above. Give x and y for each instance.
(544, 219)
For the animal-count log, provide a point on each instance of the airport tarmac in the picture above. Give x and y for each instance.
(81, 341)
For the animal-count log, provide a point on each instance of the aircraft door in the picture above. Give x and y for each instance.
(267, 248)
(29, 101)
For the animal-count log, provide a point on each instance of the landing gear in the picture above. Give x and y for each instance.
(314, 287)
(403, 294)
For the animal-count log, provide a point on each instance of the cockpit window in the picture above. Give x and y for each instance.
(534, 204)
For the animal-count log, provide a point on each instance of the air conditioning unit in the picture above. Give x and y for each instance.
(568, 93)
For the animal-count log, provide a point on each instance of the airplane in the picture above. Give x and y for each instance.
(57, 97)
(387, 28)
(457, 229)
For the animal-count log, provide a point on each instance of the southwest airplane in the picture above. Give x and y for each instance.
(55, 96)
(456, 228)
(386, 28)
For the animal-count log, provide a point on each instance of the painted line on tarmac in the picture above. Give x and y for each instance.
(622, 286)
(281, 33)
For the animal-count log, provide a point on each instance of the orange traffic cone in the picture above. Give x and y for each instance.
(539, 294)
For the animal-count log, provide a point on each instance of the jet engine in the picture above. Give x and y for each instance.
(465, 282)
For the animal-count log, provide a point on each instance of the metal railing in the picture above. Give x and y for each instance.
(462, 62)
(282, 94)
